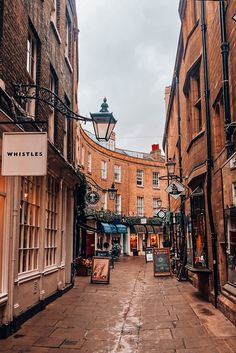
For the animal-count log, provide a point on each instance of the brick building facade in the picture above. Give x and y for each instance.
(38, 46)
(200, 138)
(139, 191)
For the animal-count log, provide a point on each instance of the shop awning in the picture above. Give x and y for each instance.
(149, 228)
(157, 229)
(113, 228)
(138, 228)
(121, 228)
(104, 228)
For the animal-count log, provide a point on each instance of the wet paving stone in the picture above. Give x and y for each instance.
(135, 313)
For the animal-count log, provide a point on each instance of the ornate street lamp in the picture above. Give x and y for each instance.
(112, 191)
(103, 122)
(159, 203)
(170, 165)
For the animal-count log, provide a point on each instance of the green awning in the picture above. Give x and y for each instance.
(121, 228)
(104, 228)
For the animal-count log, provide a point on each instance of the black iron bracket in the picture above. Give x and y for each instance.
(28, 92)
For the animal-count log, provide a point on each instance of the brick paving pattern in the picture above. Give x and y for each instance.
(135, 313)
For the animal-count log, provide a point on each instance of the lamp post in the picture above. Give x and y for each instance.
(112, 192)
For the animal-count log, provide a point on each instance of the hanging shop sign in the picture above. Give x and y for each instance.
(92, 197)
(161, 262)
(100, 270)
(24, 153)
(149, 254)
(175, 189)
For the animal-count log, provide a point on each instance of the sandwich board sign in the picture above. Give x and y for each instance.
(161, 262)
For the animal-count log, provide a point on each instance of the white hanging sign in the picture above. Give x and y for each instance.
(24, 153)
(175, 189)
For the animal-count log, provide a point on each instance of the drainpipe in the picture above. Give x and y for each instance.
(183, 248)
(225, 79)
(209, 154)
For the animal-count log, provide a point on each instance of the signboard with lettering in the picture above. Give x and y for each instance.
(161, 262)
(149, 254)
(100, 270)
(24, 153)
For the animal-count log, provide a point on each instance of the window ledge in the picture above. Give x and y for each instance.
(156, 187)
(68, 64)
(55, 30)
(195, 138)
(140, 186)
(50, 270)
(198, 269)
(3, 298)
(230, 289)
(28, 276)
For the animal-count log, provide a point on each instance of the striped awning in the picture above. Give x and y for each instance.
(121, 228)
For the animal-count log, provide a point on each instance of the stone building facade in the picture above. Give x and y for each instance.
(139, 191)
(38, 46)
(200, 138)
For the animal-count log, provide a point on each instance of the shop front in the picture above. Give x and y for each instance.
(143, 236)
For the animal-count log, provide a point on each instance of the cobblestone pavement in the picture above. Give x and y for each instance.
(135, 313)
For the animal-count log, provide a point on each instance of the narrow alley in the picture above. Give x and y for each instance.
(135, 313)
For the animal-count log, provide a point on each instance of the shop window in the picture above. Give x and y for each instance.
(118, 204)
(29, 224)
(140, 206)
(104, 170)
(155, 180)
(189, 240)
(65, 197)
(89, 163)
(154, 240)
(117, 173)
(51, 214)
(198, 227)
(231, 249)
(139, 177)
(133, 242)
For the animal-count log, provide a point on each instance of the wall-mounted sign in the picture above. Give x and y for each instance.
(100, 270)
(161, 261)
(161, 214)
(175, 189)
(24, 153)
(92, 197)
(143, 220)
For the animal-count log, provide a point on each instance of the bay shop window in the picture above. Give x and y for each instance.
(29, 224)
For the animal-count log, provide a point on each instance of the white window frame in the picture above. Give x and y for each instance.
(68, 41)
(31, 67)
(155, 206)
(51, 222)
(51, 120)
(29, 225)
(89, 162)
(118, 204)
(82, 155)
(104, 200)
(103, 169)
(140, 206)
(117, 173)
(139, 177)
(155, 180)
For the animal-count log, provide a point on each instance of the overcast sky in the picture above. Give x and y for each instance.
(127, 52)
